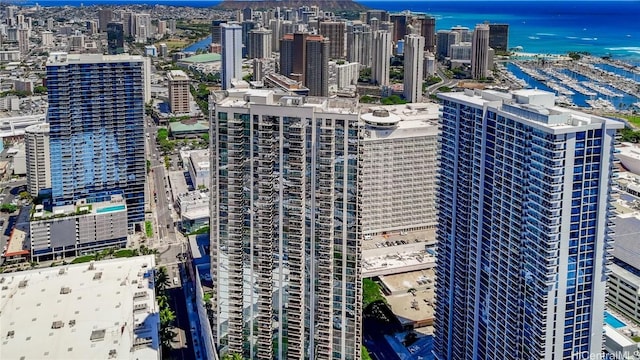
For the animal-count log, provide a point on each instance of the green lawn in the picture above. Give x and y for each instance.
(148, 228)
(202, 230)
(635, 338)
(632, 119)
(123, 253)
(371, 292)
(83, 259)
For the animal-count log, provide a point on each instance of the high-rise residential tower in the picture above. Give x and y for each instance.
(216, 31)
(179, 94)
(524, 229)
(36, 140)
(96, 119)
(413, 67)
(316, 75)
(381, 63)
(260, 43)
(480, 52)
(334, 31)
(105, 16)
(305, 57)
(285, 249)
(359, 40)
(231, 37)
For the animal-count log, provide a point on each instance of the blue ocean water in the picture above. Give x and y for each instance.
(599, 27)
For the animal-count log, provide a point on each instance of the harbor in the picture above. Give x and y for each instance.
(590, 82)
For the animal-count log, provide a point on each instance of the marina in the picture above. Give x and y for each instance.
(587, 83)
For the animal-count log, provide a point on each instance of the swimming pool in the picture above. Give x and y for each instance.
(613, 321)
(110, 208)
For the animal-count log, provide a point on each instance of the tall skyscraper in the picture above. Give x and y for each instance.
(260, 43)
(499, 37)
(442, 43)
(285, 249)
(115, 38)
(105, 16)
(524, 229)
(275, 25)
(480, 52)
(96, 117)
(400, 22)
(316, 76)
(428, 30)
(179, 94)
(216, 31)
(23, 40)
(305, 57)
(381, 63)
(359, 40)
(413, 68)
(231, 37)
(334, 31)
(247, 27)
(36, 140)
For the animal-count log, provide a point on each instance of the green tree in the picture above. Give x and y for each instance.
(232, 357)
(40, 89)
(24, 195)
(8, 208)
(162, 280)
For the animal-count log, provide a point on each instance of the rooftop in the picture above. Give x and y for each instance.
(534, 107)
(99, 310)
(396, 121)
(61, 58)
(117, 203)
(175, 75)
(203, 58)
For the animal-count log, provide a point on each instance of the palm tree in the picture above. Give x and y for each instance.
(162, 279)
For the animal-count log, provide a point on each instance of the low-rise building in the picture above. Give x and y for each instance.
(199, 168)
(72, 230)
(624, 290)
(194, 210)
(98, 310)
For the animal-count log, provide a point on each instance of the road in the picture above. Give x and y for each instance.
(9, 190)
(164, 232)
(432, 89)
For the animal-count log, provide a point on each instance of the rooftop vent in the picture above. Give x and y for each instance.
(57, 324)
(10, 333)
(97, 335)
(22, 284)
(65, 290)
(72, 322)
(61, 271)
(381, 113)
(97, 276)
(92, 266)
(113, 354)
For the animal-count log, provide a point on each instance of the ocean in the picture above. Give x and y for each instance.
(602, 28)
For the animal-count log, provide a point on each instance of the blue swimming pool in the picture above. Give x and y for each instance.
(110, 209)
(613, 321)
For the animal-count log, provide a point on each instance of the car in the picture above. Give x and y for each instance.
(368, 237)
(175, 280)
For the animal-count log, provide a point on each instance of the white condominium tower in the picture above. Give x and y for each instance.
(285, 250)
(413, 67)
(399, 166)
(231, 38)
(381, 63)
(524, 234)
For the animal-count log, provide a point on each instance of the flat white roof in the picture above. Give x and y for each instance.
(97, 310)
